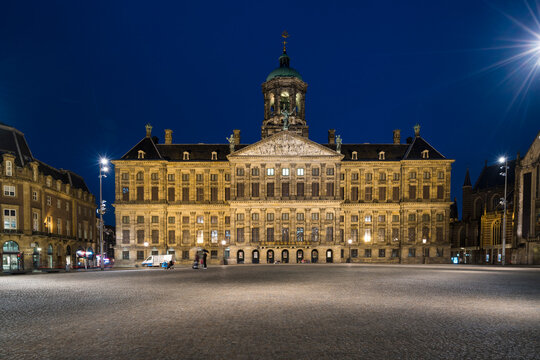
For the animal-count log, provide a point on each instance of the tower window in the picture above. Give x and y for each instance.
(140, 154)
(186, 155)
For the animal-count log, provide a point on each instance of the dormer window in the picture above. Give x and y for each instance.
(140, 154)
(49, 182)
(186, 155)
(381, 155)
(9, 168)
(355, 155)
(425, 154)
(58, 185)
(214, 155)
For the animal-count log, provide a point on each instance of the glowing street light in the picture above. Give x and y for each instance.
(504, 160)
(350, 242)
(103, 168)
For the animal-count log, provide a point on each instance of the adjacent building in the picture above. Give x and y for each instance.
(284, 198)
(48, 214)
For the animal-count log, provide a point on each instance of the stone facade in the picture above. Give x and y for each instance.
(284, 198)
(48, 215)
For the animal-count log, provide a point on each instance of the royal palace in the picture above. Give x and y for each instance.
(284, 198)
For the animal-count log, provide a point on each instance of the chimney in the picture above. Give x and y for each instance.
(409, 140)
(236, 136)
(397, 137)
(168, 136)
(148, 130)
(332, 136)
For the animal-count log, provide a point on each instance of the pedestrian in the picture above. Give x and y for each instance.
(196, 262)
(171, 264)
(204, 260)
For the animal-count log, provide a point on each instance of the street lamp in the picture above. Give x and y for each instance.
(103, 168)
(223, 242)
(504, 160)
(350, 242)
(146, 249)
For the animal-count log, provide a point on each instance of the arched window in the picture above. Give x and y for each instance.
(186, 155)
(10, 247)
(285, 103)
(425, 154)
(214, 155)
(381, 155)
(355, 155)
(140, 154)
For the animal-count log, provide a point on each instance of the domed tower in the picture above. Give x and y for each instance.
(284, 99)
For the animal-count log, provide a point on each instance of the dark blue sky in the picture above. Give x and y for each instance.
(81, 79)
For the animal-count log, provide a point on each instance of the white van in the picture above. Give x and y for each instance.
(157, 260)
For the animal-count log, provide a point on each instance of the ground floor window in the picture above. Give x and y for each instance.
(367, 253)
(412, 252)
(155, 252)
(140, 255)
(125, 255)
(213, 254)
(382, 253)
(354, 253)
(395, 253)
(185, 254)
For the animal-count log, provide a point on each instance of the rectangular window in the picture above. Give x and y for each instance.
(300, 189)
(330, 171)
(315, 171)
(125, 193)
(285, 189)
(213, 220)
(270, 234)
(227, 177)
(382, 253)
(140, 236)
(396, 176)
(125, 236)
(330, 234)
(368, 195)
(240, 190)
(285, 216)
(382, 193)
(200, 219)
(412, 234)
(354, 218)
(155, 236)
(140, 254)
(255, 171)
(270, 189)
(315, 216)
(213, 254)
(285, 234)
(200, 194)
(315, 189)
(155, 196)
(185, 237)
(185, 194)
(270, 217)
(35, 222)
(199, 177)
(427, 175)
(240, 235)
(439, 234)
(315, 234)
(155, 219)
(285, 171)
(412, 192)
(227, 220)
(426, 192)
(300, 216)
(354, 193)
(412, 217)
(214, 236)
(170, 194)
(395, 218)
(34, 195)
(255, 216)
(381, 218)
(440, 217)
(185, 255)
(395, 234)
(381, 234)
(185, 219)
(239, 172)
(412, 252)
(240, 217)
(255, 234)
(213, 194)
(270, 171)
(354, 235)
(412, 175)
(185, 177)
(125, 219)
(440, 192)
(354, 253)
(49, 202)
(300, 171)
(329, 216)
(227, 194)
(367, 253)
(125, 255)
(171, 219)
(10, 219)
(213, 177)
(140, 193)
(255, 189)
(299, 234)
(369, 176)
(170, 177)
(154, 176)
(354, 176)
(58, 203)
(382, 176)
(329, 189)
(9, 168)
(395, 193)
(9, 190)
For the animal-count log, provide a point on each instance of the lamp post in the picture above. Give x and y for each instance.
(145, 249)
(504, 160)
(350, 242)
(103, 168)
(223, 242)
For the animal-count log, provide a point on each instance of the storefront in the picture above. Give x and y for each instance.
(11, 257)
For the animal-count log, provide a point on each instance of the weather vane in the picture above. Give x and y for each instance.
(285, 35)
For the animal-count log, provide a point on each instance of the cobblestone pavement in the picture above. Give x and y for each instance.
(313, 311)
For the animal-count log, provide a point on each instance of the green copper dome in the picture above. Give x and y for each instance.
(284, 70)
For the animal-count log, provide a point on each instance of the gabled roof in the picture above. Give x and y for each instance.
(491, 176)
(417, 146)
(148, 146)
(370, 152)
(197, 152)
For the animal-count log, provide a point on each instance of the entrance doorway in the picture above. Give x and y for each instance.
(255, 257)
(329, 256)
(240, 257)
(314, 256)
(11, 259)
(299, 256)
(285, 256)
(270, 257)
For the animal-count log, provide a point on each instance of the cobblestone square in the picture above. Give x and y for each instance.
(303, 311)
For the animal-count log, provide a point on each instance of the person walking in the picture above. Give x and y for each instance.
(196, 262)
(205, 255)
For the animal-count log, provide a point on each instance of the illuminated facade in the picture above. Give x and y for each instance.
(48, 215)
(284, 198)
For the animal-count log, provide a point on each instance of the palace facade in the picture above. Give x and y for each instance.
(284, 198)
(48, 214)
